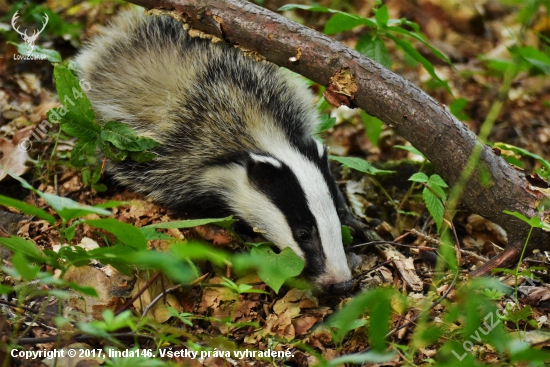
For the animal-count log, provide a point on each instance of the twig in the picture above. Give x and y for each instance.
(440, 299)
(138, 294)
(390, 243)
(13, 305)
(367, 272)
(437, 242)
(169, 290)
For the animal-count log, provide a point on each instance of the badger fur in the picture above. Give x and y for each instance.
(236, 135)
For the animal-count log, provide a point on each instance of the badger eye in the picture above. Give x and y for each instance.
(304, 235)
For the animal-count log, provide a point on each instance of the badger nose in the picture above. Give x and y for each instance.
(341, 288)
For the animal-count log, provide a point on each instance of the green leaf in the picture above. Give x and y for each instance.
(534, 57)
(23, 183)
(524, 153)
(240, 288)
(99, 187)
(409, 149)
(111, 204)
(27, 208)
(382, 16)
(141, 157)
(200, 251)
(275, 269)
(379, 323)
(438, 191)
(189, 223)
(373, 127)
(533, 221)
(173, 267)
(143, 143)
(69, 209)
(501, 65)
(363, 358)
(457, 107)
(418, 37)
(76, 116)
(82, 151)
(419, 177)
(341, 22)
(25, 247)
(5, 290)
(346, 236)
(27, 271)
(436, 180)
(151, 234)
(374, 48)
(70, 231)
(112, 152)
(86, 175)
(360, 165)
(38, 52)
(320, 9)
(408, 49)
(118, 134)
(435, 207)
(126, 233)
(448, 252)
(326, 123)
(350, 316)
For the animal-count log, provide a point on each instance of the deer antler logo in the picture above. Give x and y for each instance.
(30, 40)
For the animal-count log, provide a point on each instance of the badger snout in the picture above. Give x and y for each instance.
(336, 280)
(342, 288)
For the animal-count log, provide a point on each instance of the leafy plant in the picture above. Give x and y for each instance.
(534, 222)
(527, 59)
(400, 31)
(33, 13)
(433, 194)
(507, 150)
(457, 107)
(131, 248)
(373, 127)
(360, 165)
(326, 123)
(240, 288)
(76, 118)
(274, 269)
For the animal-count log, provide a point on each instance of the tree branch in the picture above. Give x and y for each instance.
(353, 79)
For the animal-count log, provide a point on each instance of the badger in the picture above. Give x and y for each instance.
(236, 135)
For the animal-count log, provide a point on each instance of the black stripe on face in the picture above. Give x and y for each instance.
(309, 149)
(282, 188)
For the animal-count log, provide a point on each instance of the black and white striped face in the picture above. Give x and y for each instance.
(300, 208)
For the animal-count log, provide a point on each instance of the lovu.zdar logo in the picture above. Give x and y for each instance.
(29, 39)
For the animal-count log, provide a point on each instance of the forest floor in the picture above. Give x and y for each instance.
(216, 316)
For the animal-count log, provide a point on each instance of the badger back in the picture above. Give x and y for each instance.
(236, 134)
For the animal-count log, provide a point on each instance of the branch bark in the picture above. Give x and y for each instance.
(353, 79)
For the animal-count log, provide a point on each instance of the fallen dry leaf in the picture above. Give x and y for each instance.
(90, 307)
(160, 310)
(13, 159)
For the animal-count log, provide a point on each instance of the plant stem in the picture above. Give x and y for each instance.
(519, 263)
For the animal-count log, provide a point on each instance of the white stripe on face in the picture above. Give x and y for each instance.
(266, 159)
(320, 203)
(252, 206)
